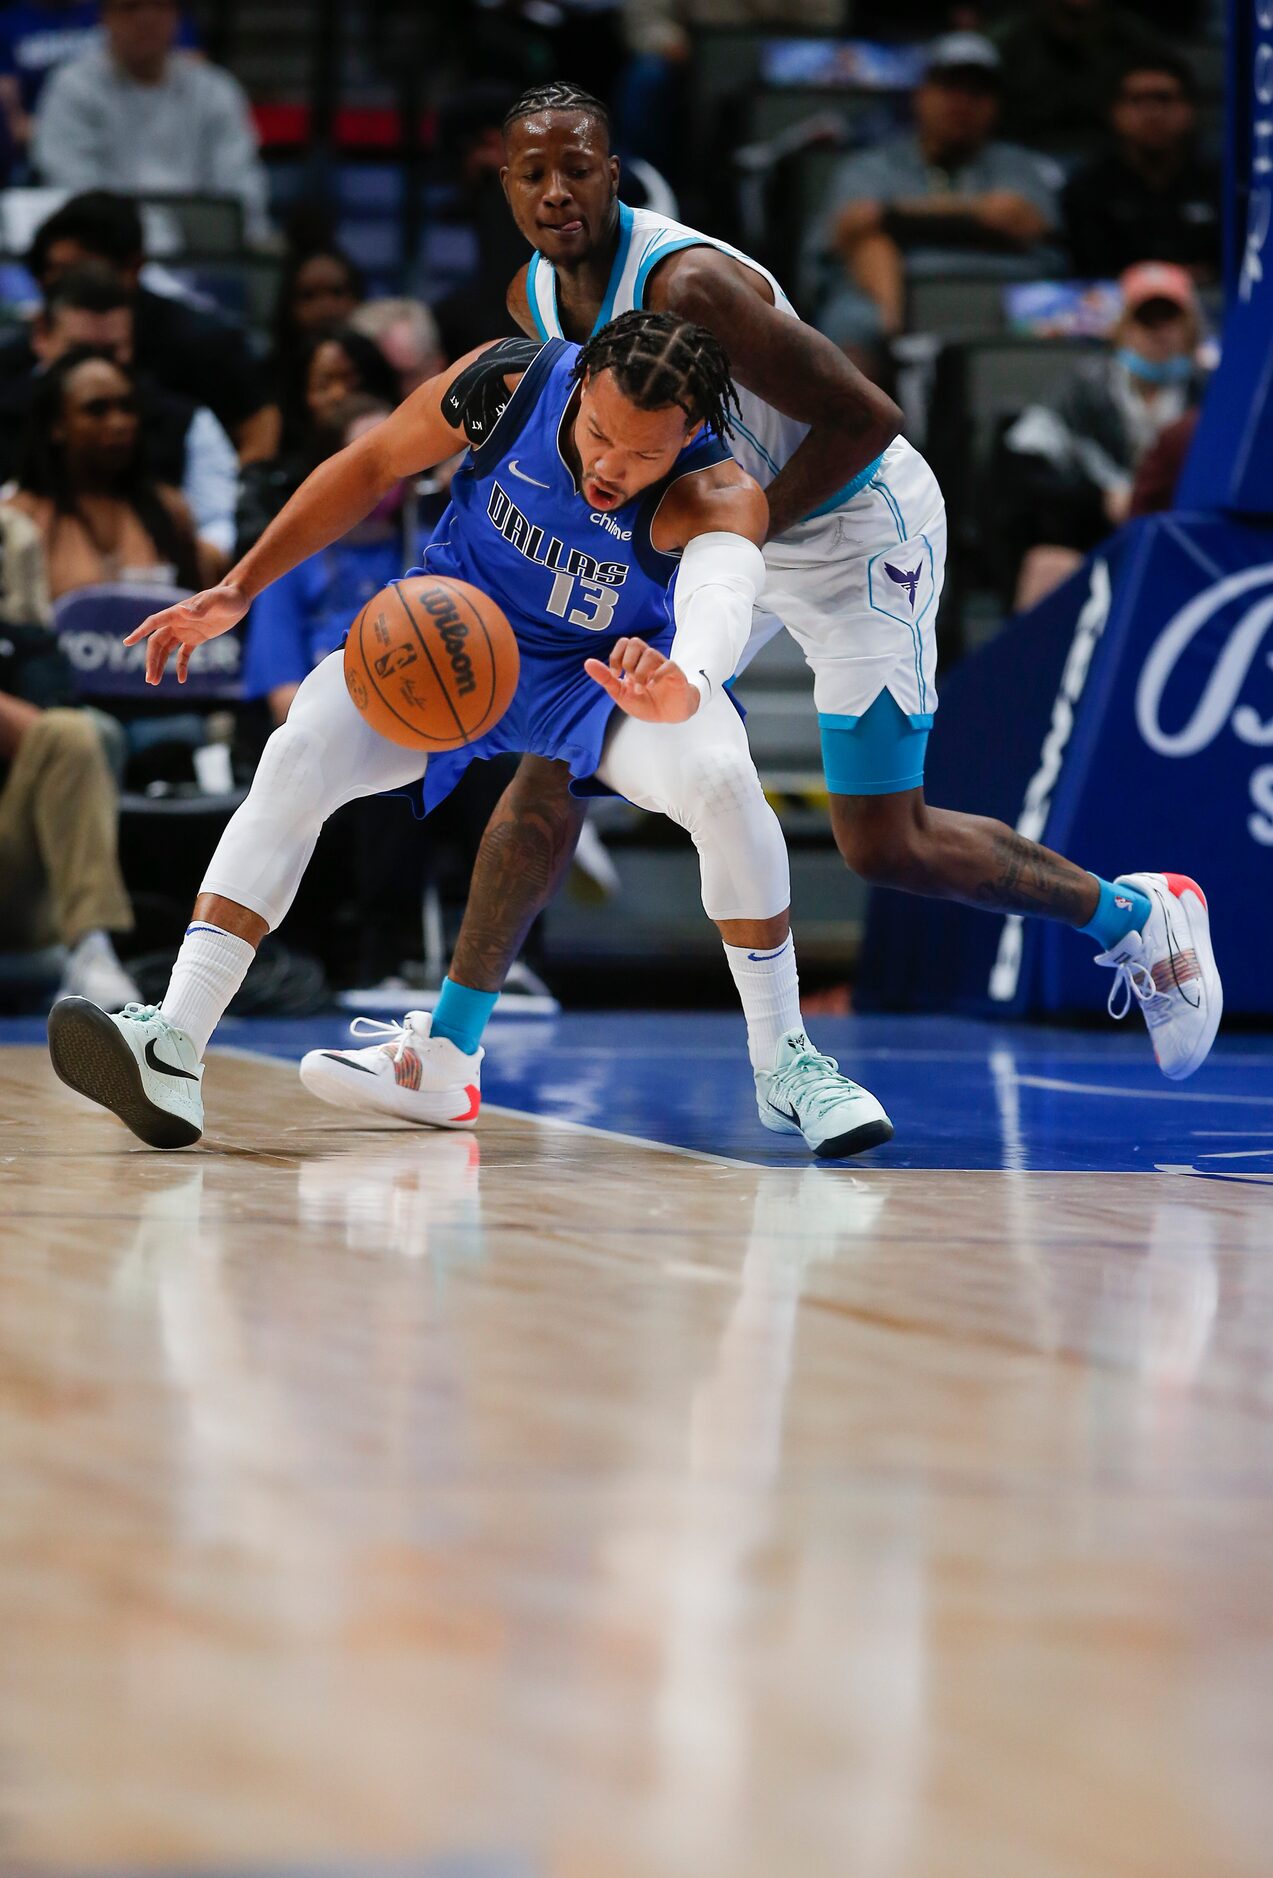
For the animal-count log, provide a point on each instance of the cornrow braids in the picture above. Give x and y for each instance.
(558, 96)
(658, 359)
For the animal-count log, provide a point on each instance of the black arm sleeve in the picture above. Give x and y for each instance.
(476, 399)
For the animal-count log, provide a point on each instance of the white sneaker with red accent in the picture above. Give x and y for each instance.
(1169, 969)
(408, 1074)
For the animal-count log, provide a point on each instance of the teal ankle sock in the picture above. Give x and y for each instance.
(1121, 909)
(461, 1015)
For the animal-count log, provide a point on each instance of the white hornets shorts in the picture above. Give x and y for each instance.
(858, 588)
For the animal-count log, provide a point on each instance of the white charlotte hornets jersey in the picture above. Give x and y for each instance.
(763, 438)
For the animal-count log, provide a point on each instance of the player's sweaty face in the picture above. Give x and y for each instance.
(561, 183)
(622, 449)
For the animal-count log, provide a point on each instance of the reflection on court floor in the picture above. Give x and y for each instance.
(536, 1503)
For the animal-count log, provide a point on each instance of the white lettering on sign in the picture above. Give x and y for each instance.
(1218, 705)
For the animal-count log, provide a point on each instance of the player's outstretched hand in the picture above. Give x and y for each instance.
(645, 684)
(182, 627)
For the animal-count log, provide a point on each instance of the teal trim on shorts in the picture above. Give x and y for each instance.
(880, 753)
(852, 488)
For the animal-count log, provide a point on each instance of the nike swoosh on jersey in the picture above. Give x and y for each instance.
(166, 1069)
(523, 477)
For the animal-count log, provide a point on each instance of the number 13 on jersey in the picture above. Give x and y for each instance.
(599, 597)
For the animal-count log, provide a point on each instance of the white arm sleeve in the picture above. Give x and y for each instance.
(717, 585)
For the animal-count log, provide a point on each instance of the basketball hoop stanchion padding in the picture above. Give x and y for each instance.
(1230, 466)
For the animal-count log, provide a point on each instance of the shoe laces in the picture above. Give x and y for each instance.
(815, 1077)
(143, 1014)
(394, 1037)
(1134, 983)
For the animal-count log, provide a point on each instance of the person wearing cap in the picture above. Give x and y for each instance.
(1071, 465)
(947, 196)
(1152, 194)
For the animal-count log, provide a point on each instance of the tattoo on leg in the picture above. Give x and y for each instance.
(1031, 879)
(522, 858)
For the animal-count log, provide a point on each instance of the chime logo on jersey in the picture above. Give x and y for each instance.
(548, 550)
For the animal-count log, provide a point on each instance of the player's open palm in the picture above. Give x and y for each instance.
(645, 683)
(182, 627)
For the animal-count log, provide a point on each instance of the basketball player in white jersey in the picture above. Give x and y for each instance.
(855, 558)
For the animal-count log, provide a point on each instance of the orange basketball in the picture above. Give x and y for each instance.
(431, 663)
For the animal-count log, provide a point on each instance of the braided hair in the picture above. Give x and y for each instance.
(558, 96)
(658, 359)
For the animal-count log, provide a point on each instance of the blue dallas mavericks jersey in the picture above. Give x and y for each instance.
(571, 579)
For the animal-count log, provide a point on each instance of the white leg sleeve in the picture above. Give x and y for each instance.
(700, 774)
(325, 755)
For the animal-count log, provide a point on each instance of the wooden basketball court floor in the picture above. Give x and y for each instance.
(550, 1503)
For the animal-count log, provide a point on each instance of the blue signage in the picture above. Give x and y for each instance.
(1127, 723)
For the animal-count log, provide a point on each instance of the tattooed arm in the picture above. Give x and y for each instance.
(521, 862)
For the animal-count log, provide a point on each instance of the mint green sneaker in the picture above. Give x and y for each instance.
(805, 1094)
(136, 1064)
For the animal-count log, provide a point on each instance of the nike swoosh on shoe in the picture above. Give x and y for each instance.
(166, 1069)
(334, 1056)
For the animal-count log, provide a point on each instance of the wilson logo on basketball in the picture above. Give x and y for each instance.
(454, 636)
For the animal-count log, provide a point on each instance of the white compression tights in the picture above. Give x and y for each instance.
(699, 774)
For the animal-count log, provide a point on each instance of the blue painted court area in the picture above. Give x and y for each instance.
(961, 1094)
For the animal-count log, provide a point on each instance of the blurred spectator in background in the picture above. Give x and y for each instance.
(136, 114)
(325, 369)
(320, 287)
(60, 882)
(196, 354)
(407, 333)
(945, 197)
(1152, 195)
(328, 367)
(182, 443)
(471, 129)
(82, 481)
(305, 615)
(36, 36)
(1061, 61)
(1069, 466)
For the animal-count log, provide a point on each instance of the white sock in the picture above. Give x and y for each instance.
(769, 988)
(209, 969)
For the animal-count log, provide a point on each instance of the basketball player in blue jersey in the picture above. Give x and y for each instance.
(854, 561)
(592, 478)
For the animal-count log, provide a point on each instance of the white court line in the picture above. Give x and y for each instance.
(1141, 1095)
(529, 1115)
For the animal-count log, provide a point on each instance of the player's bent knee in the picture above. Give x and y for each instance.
(885, 849)
(742, 853)
(290, 784)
